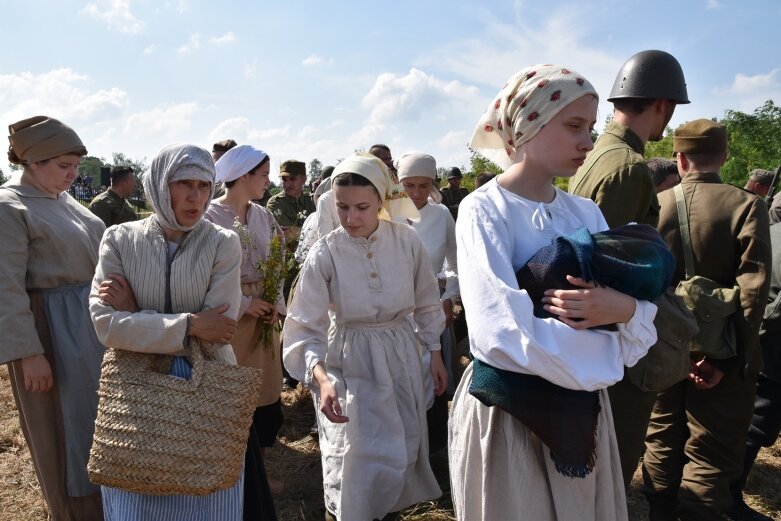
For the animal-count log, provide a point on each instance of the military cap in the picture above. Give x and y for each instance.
(224, 145)
(292, 168)
(453, 172)
(701, 136)
(326, 173)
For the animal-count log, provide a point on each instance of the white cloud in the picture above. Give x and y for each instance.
(714, 4)
(251, 70)
(193, 44)
(226, 38)
(312, 59)
(231, 128)
(415, 96)
(58, 93)
(116, 14)
(744, 84)
(171, 122)
(149, 49)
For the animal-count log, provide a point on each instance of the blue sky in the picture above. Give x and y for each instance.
(306, 79)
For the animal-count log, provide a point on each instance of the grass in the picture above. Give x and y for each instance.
(295, 460)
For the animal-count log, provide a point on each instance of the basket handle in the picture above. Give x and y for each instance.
(147, 375)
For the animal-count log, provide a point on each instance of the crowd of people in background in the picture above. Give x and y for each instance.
(350, 287)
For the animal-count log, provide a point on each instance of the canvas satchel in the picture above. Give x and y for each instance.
(667, 362)
(713, 305)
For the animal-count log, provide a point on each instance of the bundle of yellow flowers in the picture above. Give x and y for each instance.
(271, 271)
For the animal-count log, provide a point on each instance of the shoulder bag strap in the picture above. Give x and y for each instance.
(686, 239)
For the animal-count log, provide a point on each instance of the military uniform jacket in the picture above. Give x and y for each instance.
(616, 177)
(112, 209)
(730, 238)
(452, 196)
(290, 211)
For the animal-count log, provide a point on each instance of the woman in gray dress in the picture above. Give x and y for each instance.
(50, 249)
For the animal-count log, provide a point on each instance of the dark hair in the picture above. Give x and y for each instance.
(633, 105)
(661, 168)
(353, 179)
(265, 160)
(483, 179)
(117, 174)
(379, 146)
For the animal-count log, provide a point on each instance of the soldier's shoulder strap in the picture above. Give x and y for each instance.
(593, 158)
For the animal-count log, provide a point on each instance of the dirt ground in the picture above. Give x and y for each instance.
(295, 460)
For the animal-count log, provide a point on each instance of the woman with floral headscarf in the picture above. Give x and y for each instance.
(366, 372)
(537, 128)
(50, 248)
(160, 280)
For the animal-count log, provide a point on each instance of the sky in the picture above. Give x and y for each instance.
(305, 79)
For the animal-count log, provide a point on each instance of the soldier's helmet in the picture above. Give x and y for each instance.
(650, 75)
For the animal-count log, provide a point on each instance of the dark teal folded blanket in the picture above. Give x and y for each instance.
(633, 259)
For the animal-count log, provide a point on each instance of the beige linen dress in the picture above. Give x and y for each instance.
(261, 227)
(48, 243)
(377, 462)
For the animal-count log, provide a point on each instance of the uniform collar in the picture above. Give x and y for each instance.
(627, 135)
(701, 177)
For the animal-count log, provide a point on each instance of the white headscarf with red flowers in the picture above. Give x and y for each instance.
(529, 100)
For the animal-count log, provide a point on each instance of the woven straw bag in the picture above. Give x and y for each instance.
(161, 435)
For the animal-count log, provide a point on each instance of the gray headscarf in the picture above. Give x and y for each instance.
(173, 163)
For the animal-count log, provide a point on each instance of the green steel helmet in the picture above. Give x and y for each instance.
(650, 75)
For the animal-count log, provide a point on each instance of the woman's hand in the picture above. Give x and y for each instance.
(259, 308)
(589, 306)
(329, 401)
(37, 374)
(116, 293)
(438, 372)
(212, 325)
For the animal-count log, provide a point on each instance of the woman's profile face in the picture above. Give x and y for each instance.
(55, 175)
(188, 200)
(258, 181)
(560, 147)
(357, 207)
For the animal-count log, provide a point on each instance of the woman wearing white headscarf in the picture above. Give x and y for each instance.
(437, 229)
(159, 280)
(245, 172)
(537, 128)
(366, 372)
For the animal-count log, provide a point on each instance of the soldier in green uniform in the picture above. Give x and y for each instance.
(291, 206)
(112, 206)
(697, 435)
(615, 176)
(453, 194)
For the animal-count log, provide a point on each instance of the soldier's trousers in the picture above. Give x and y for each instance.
(631, 408)
(695, 446)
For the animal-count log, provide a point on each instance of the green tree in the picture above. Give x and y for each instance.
(661, 148)
(90, 166)
(479, 164)
(754, 141)
(315, 170)
(139, 166)
(3, 177)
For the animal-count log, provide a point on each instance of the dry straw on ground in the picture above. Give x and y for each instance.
(295, 460)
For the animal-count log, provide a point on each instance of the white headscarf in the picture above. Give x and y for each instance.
(418, 164)
(527, 102)
(174, 163)
(238, 161)
(396, 204)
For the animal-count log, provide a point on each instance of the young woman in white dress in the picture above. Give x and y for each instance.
(537, 128)
(366, 369)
